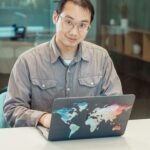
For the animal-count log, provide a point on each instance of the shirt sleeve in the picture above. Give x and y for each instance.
(17, 108)
(111, 84)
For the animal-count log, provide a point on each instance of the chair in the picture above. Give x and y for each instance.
(3, 90)
(3, 123)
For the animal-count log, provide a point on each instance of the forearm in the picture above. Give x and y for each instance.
(20, 116)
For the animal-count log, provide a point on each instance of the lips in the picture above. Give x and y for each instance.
(72, 39)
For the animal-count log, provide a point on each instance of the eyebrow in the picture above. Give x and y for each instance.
(73, 19)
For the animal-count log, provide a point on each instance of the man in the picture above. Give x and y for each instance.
(66, 66)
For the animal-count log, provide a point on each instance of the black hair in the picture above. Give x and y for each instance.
(83, 3)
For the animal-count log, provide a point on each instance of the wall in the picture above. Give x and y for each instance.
(138, 12)
(24, 12)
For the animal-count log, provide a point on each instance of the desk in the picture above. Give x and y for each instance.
(136, 137)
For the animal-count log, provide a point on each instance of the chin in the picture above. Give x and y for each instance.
(71, 44)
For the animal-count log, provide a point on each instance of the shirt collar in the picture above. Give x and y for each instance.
(55, 52)
(83, 52)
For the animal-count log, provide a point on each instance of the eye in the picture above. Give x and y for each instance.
(83, 25)
(68, 21)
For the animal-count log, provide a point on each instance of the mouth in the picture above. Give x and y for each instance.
(72, 39)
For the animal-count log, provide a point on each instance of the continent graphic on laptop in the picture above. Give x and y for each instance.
(108, 113)
(105, 114)
(67, 114)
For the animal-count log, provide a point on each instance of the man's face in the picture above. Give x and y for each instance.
(71, 25)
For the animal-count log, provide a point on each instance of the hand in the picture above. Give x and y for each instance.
(45, 120)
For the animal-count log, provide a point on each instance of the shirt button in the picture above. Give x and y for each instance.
(43, 85)
(68, 89)
(68, 71)
(92, 83)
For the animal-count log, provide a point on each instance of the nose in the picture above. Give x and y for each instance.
(74, 30)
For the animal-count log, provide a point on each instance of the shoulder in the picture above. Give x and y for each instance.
(94, 51)
(34, 56)
(93, 48)
(35, 51)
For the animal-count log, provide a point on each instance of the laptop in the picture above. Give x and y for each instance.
(88, 117)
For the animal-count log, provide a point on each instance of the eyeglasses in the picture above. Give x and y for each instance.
(69, 24)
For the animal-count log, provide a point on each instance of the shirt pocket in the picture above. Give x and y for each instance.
(43, 93)
(44, 84)
(90, 81)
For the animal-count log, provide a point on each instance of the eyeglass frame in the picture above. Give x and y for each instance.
(73, 24)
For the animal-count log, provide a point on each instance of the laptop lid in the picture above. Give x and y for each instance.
(90, 117)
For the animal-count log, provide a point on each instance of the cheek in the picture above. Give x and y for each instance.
(59, 27)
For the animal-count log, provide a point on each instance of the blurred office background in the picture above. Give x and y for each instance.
(121, 26)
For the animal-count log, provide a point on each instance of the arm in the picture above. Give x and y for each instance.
(17, 108)
(111, 84)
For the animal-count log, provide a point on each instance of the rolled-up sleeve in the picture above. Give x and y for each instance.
(17, 109)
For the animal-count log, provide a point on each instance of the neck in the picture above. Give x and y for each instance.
(67, 52)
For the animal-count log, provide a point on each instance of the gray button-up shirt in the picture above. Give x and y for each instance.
(40, 75)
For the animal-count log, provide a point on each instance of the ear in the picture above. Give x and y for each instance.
(55, 17)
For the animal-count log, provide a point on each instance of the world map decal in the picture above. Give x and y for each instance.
(106, 114)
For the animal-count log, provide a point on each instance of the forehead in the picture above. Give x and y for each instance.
(76, 12)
